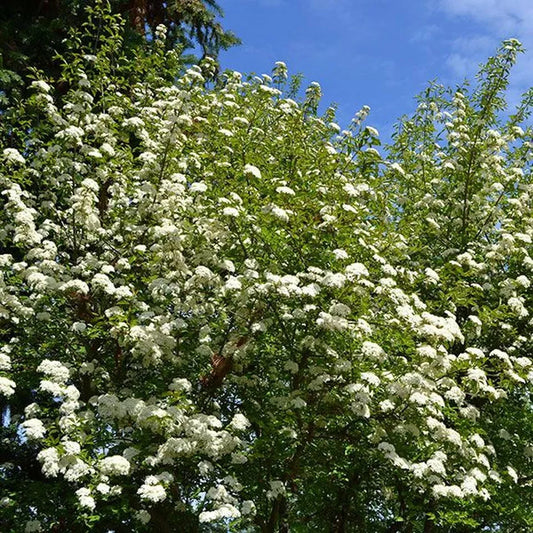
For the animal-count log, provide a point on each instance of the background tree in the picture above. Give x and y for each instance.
(33, 32)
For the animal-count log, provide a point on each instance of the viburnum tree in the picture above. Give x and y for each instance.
(220, 312)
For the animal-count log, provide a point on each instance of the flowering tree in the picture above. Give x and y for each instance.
(219, 311)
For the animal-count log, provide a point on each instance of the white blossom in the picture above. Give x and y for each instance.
(7, 386)
(49, 458)
(239, 422)
(54, 370)
(252, 170)
(115, 465)
(230, 212)
(32, 526)
(34, 429)
(151, 490)
(85, 499)
(13, 156)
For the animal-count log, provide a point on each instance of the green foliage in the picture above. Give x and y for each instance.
(33, 34)
(218, 311)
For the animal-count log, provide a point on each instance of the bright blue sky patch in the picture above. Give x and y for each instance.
(379, 53)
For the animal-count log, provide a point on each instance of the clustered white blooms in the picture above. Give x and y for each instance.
(210, 302)
(85, 498)
(152, 490)
(32, 526)
(115, 465)
(33, 428)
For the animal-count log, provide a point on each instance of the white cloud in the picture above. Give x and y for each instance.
(504, 15)
(461, 66)
(341, 9)
(468, 52)
(271, 3)
(494, 20)
(424, 33)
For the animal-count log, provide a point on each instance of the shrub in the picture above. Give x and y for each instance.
(218, 310)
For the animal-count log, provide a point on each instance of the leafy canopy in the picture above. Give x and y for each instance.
(218, 310)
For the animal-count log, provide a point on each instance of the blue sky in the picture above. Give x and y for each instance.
(379, 53)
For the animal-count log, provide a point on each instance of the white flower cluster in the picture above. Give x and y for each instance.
(7, 386)
(33, 429)
(153, 488)
(54, 370)
(114, 465)
(236, 294)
